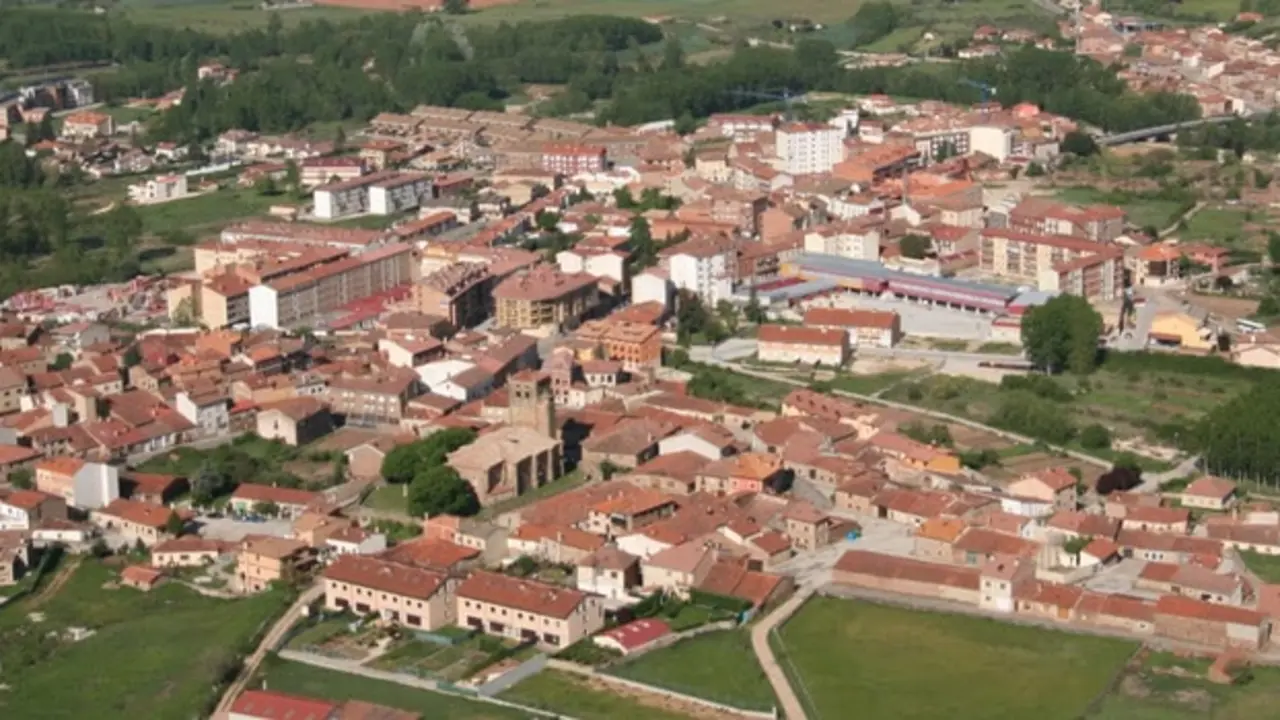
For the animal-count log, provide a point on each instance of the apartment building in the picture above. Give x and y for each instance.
(528, 611)
(159, 189)
(545, 297)
(223, 301)
(573, 158)
(1044, 216)
(325, 170)
(304, 297)
(350, 239)
(344, 198)
(1054, 262)
(85, 485)
(460, 293)
(263, 560)
(706, 267)
(87, 125)
(635, 345)
(857, 239)
(397, 593)
(866, 328)
(809, 148)
(373, 400)
(404, 191)
(796, 344)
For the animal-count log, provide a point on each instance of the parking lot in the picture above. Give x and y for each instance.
(879, 536)
(231, 530)
(1119, 578)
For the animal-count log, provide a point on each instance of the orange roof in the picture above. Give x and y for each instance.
(60, 465)
(1184, 607)
(943, 529)
(533, 597)
(138, 513)
(385, 576)
(791, 334)
(430, 553)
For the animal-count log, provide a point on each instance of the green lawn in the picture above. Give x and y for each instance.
(223, 16)
(562, 692)
(1219, 225)
(894, 663)
(1266, 567)
(387, 498)
(205, 213)
(1151, 692)
(153, 655)
(718, 666)
(300, 679)
(1143, 211)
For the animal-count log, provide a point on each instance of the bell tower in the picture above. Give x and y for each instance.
(531, 403)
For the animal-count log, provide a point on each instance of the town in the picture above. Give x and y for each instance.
(757, 413)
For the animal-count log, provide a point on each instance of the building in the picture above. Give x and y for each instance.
(1044, 216)
(294, 421)
(84, 485)
(187, 551)
(1054, 262)
(263, 560)
(396, 593)
(330, 169)
(1209, 493)
(134, 521)
(508, 462)
(1205, 623)
(545, 297)
(159, 189)
(88, 125)
(251, 499)
(635, 345)
(397, 194)
(527, 611)
(799, 344)
(371, 401)
(704, 267)
(573, 158)
(866, 328)
(459, 292)
(306, 297)
(888, 573)
(809, 148)
(26, 509)
(609, 572)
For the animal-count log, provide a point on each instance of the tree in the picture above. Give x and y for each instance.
(174, 524)
(184, 315)
(1075, 545)
(916, 247)
(685, 125)
(292, 177)
(339, 139)
(455, 7)
(21, 479)
(1095, 437)
(728, 315)
(62, 361)
(1118, 479)
(210, 482)
(1062, 334)
(608, 469)
(644, 251)
(132, 356)
(1035, 169)
(266, 508)
(401, 464)
(406, 462)
(672, 54)
(440, 490)
(99, 548)
(1223, 283)
(266, 185)
(1080, 144)
(1273, 247)
(753, 311)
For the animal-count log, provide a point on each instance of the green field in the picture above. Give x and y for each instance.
(221, 16)
(562, 692)
(894, 663)
(388, 498)
(1216, 225)
(718, 666)
(1168, 687)
(205, 213)
(1266, 567)
(153, 655)
(300, 679)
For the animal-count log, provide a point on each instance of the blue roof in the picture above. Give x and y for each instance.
(848, 267)
(788, 292)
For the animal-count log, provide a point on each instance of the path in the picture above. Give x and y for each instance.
(269, 641)
(1151, 482)
(1184, 216)
(64, 574)
(791, 707)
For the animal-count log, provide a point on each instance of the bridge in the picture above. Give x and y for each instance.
(1156, 131)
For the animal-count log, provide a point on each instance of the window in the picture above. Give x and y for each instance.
(551, 639)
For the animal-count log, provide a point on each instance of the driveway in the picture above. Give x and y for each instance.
(813, 569)
(232, 530)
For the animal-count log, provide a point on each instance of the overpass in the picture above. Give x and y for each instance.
(1155, 131)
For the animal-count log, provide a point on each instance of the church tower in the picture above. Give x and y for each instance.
(531, 403)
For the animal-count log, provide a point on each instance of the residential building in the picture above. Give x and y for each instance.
(1209, 493)
(609, 572)
(1045, 216)
(187, 551)
(133, 521)
(635, 345)
(397, 194)
(545, 297)
(88, 125)
(375, 400)
(294, 421)
(159, 189)
(84, 485)
(263, 560)
(800, 344)
(1205, 623)
(573, 158)
(704, 267)
(329, 169)
(808, 148)
(748, 472)
(526, 610)
(306, 297)
(396, 593)
(888, 573)
(1054, 262)
(27, 509)
(1050, 491)
(866, 328)
(248, 499)
(459, 292)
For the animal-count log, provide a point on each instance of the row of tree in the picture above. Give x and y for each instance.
(433, 487)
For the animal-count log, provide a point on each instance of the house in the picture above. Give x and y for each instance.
(1048, 491)
(866, 328)
(800, 344)
(155, 488)
(249, 499)
(627, 512)
(354, 540)
(187, 551)
(1172, 521)
(27, 509)
(888, 573)
(140, 577)
(1209, 493)
(677, 568)
(609, 572)
(1204, 623)
(263, 560)
(294, 421)
(85, 485)
(15, 556)
(1002, 579)
(634, 636)
(732, 577)
(401, 594)
(745, 472)
(915, 455)
(526, 610)
(806, 527)
(134, 521)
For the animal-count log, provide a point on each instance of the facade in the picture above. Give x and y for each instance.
(528, 611)
(133, 521)
(508, 462)
(88, 125)
(1054, 262)
(289, 502)
(84, 485)
(459, 292)
(295, 421)
(635, 346)
(573, 159)
(396, 593)
(26, 509)
(394, 195)
(159, 189)
(545, 297)
(305, 297)
(263, 560)
(866, 328)
(807, 345)
(706, 269)
(807, 149)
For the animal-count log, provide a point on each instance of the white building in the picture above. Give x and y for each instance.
(652, 285)
(264, 307)
(809, 148)
(159, 189)
(404, 191)
(599, 262)
(210, 413)
(355, 541)
(705, 269)
(341, 199)
(852, 240)
(992, 140)
(804, 345)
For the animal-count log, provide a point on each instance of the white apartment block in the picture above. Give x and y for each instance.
(341, 199)
(992, 140)
(159, 189)
(851, 241)
(806, 149)
(708, 274)
(397, 194)
(602, 264)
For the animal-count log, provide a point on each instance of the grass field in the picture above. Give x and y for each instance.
(1168, 687)
(562, 692)
(387, 498)
(1266, 567)
(894, 663)
(205, 213)
(154, 655)
(718, 666)
(223, 17)
(300, 679)
(1218, 225)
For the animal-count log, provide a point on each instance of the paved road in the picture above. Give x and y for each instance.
(269, 641)
(792, 709)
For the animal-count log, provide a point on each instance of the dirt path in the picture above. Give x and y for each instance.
(64, 574)
(269, 641)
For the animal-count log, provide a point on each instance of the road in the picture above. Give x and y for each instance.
(269, 641)
(792, 709)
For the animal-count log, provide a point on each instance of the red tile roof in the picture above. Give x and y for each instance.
(277, 495)
(1178, 606)
(385, 576)
(637, 633)
(529, 596)
(279, 706)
